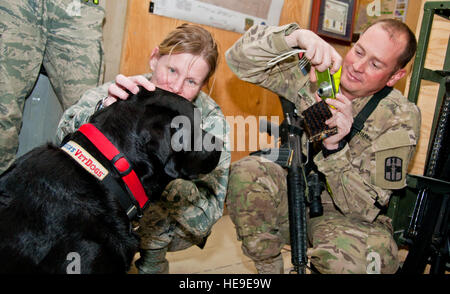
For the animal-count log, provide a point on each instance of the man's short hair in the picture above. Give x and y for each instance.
(396, 28)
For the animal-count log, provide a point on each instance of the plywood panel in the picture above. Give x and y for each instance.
(113, 35)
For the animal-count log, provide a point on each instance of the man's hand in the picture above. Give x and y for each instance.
(320, 54)
(123, 83)
(342, 119)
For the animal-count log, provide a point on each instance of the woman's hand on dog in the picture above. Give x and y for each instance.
(122, 83)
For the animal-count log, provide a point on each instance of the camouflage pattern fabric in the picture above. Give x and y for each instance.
(45, 32)
(272, 265)
(152, 261)
(346, 245)
(362, 175)
(258, 206)
(188, 209)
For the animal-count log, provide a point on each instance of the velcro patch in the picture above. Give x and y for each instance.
(393, 169)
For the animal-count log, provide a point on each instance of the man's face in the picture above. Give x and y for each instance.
(371, 63)
(182, 74)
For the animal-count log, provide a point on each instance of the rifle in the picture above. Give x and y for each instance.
(290, 156)
(302, 176)
(296, 188)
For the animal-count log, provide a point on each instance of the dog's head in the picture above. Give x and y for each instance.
(160, 133)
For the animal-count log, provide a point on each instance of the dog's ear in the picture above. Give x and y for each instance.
(182, 155)
(192, 164)
(170, 168)
(198, 155)
(204, 161)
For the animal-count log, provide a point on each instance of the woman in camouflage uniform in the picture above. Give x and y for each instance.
(184, 216)
(351, 236)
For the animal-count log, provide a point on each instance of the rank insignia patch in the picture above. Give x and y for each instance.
(393, 169)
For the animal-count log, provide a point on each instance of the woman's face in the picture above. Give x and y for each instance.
(183, 74)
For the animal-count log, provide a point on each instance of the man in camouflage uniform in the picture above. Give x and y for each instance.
(351, 236)
(65, 36)
(188, 209)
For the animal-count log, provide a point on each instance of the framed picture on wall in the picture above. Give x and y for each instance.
(333, 19)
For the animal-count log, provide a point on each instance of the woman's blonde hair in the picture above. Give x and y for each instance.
(192, 39)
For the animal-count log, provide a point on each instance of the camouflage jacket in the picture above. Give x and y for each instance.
(362, 175)
(207, 195)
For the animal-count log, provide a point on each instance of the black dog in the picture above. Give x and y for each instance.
(54, 211)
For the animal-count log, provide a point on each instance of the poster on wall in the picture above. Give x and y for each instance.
(371, 10)
(232, 15)
(333, 19)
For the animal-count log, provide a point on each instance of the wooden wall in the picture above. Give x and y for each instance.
(113, 33)
(143, 31)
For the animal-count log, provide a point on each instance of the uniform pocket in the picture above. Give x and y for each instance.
(393, 152)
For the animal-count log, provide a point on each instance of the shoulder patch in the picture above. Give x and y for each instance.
(393, 169)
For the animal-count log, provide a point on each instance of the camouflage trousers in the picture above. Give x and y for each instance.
(166, 226)
(258, 206)
(65, 36)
